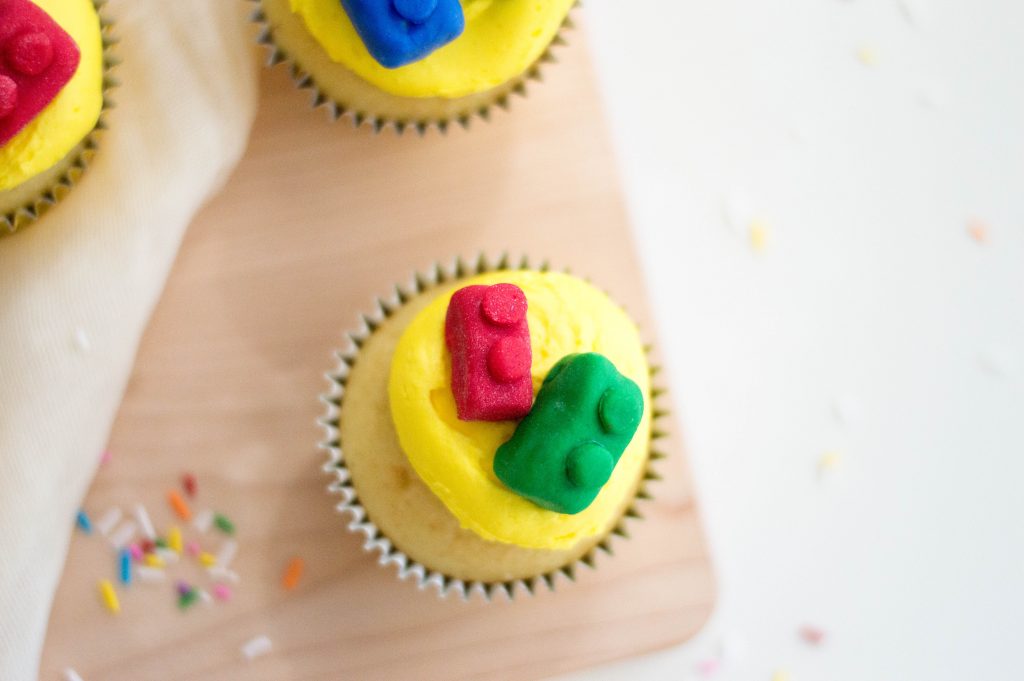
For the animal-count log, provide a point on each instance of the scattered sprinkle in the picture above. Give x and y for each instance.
(71, 675)
(227, 553)
(708, 667)
(142, 516)
(125, 561)
(207, 559)
(193, 548)
(166, 555)
(867, 56)
(203, 521)
(174, 539)
(292, 573)
(187, 599)
(847, 409)
(154, 561)
(997, 361)
(81, 340)
(829, 461)
(150, 575)
(179, 505)
(109, 596)
(136, 552)
(83, 522)
(204, 596)
(913, 11)
(183, 587)
(978, 230)
(256, 647)
(107, 521)
(106, 456)
(224, 524)
(812, 635)
(223, 574)
(123, 535)
(147, 546)
(781, 676)
(188, 483)
(222, 592)
(759, 235)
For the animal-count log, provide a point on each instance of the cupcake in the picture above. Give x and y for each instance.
(52, 83)
(492, 428)
(412, 62)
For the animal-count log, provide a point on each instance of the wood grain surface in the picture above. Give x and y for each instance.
(317, 220)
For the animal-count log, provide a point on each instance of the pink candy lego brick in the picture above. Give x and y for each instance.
(37, 59)
(489, 341)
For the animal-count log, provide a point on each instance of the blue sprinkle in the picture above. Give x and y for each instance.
(126, 566)
(83, 522)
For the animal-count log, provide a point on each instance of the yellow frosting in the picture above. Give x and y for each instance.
(502, 39)
(455, 458)
(73, 112)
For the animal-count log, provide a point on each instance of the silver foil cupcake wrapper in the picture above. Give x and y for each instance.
(376, 542)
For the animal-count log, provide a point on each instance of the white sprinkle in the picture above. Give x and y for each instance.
(733, 647)
(167, 555)
(144, 522)
(82, 342)
(71, 675)
(227, 553)
(124, 534)
(253, 648)
(997, 361)
(221, 574)
(847, 409)
(150, 575)
(913, 11)
(203, 520)
(107, 521)
(737, 213)
(205, 596)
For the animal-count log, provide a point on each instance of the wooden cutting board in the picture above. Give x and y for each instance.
(317, 220)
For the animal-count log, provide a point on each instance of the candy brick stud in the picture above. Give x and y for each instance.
(400, 32)
(489, 340)
(566, 448)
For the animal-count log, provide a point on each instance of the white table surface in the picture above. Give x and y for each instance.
(910, 553)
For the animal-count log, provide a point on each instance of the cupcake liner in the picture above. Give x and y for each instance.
(360, 522)
(337, 109)
(77, 160)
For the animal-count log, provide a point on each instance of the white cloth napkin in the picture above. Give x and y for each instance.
(77, 288)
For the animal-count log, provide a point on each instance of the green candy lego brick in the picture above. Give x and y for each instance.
(566, 448)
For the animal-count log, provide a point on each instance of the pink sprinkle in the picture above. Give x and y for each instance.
(812, 635)
(193, 548)
(222, 592)
(708, 667)
(136, 551)
(105, 457)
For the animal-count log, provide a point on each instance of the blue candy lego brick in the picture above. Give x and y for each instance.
(395, 40)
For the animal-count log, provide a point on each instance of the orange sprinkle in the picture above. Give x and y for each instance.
(292, 574)
(978, 231)
(179, 505)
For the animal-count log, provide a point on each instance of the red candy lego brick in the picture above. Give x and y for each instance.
(37, 59)
(489, 341)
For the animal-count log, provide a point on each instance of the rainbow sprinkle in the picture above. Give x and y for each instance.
(109, 596)
(83, 522)
(224, 524)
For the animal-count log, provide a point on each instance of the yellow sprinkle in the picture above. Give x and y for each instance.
(829, 461)
(109, 596)
(207, 559)
(759, 233)
(867, 56)
(174, 539)
(781, 676)
(153, 560)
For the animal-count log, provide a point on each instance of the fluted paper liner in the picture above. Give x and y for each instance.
(360, 522)
(338, 109)
(77, 160)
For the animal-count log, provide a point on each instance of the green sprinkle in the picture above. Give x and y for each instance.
(223, 524)
(187, 599)
(160, 543)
